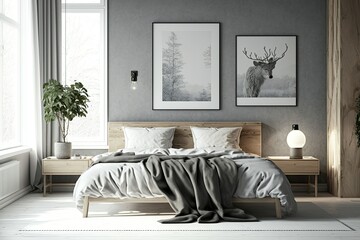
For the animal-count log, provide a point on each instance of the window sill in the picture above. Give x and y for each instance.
(13, 152)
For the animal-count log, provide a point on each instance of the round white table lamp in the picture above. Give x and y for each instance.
(296, 141)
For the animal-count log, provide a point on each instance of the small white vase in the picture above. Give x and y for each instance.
(62, 150)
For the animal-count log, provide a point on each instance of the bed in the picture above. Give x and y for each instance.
(278, 190)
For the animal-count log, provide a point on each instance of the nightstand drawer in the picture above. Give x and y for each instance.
(298, 166)
(65, 166)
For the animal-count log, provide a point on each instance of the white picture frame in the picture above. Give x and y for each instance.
(186, 66)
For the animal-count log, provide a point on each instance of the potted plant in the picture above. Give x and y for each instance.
(64, 103)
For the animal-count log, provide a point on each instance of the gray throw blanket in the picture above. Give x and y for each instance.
(198, 188)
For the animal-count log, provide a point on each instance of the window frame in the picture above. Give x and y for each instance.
(102, 9)
(103, 3)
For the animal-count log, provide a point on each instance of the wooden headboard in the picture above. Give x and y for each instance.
(250, 139)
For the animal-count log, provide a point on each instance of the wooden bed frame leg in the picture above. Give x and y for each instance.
(278, 208)
(86, 207)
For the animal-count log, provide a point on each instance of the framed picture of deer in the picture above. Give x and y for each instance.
(186, 66)
(266, 71)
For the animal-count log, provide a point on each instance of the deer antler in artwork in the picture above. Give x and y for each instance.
(270, 55)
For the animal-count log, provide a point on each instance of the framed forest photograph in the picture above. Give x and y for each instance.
(266, 71)
(186, 66)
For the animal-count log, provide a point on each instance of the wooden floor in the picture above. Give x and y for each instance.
(26, 210)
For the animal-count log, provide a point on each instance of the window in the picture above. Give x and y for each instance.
(84, 59)
(9, 73)
(84, 1)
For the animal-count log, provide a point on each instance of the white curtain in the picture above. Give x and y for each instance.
(41, 61)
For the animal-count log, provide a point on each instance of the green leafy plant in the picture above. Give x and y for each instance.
(357, 121)
(64, 103)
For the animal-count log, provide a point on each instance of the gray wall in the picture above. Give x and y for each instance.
(130, 47)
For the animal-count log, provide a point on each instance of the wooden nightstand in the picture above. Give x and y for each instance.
(308, 166)
(53, 166)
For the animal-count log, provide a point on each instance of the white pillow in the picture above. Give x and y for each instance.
(148, 138)
(221, 138)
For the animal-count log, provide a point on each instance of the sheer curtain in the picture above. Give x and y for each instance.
(41, 61)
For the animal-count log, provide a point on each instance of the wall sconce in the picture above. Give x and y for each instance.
(296, 141)
(134, 75)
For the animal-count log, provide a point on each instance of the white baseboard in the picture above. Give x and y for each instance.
(15, 196)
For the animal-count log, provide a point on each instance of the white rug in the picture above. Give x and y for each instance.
(309, 218)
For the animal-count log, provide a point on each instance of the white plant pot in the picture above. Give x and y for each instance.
(63, 150)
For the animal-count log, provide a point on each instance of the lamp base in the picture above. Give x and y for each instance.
(296, 153)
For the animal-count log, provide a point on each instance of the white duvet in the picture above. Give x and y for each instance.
(257, 178)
